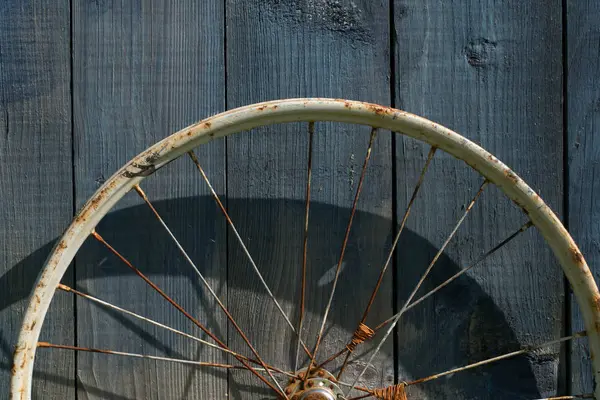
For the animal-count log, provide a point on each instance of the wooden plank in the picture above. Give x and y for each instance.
(143, 70)
(288, 49)
(583, 113)
(35, 179)
(492, 71)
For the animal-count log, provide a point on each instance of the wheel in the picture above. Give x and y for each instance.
(313, 380)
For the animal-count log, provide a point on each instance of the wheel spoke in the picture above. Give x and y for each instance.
(177, 306)
(575, 396)
(104, 303)
(356, 339)
(421, 280)
(397, 391)
(311, 131)
(525, 350)
(141, 193)
(571, 397)
(144, 356)
(245, 249)
(344, 245)
(477, 262)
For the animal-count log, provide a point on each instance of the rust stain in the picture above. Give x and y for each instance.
(576, 255)
(362, 333)
(23, 362)
(89, 207)
(510, 175)
(395, 392)
(207, 125)
(379, 110)
(492, 158)
(15, 355)
(596, 304)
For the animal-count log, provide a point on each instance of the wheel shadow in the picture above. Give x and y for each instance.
(459, 325)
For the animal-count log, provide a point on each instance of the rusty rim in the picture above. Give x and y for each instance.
(308, 110)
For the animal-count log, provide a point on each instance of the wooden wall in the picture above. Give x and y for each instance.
(86, 85)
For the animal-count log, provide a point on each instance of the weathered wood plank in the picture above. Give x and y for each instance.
(141, 71)
(279, 49)
(492, 71)
(35, 178)
(583, 124)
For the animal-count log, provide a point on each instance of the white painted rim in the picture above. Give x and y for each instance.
(291, 110)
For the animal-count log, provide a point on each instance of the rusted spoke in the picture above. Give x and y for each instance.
(311, 131)
(344, 245)
(364, 396)
(571, 397)
(141, 193)
(525, 350)
(178, 307)
(333, 357)
(575, 396)
(144, 356)
(421, 280)
(477, 262)
(350, 346)
(155, 323)
(245, 249)
(381, 393)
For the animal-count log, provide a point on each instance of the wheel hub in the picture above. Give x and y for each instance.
(320, 385)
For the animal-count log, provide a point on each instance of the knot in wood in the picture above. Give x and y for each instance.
(361, 334)
(394, 392)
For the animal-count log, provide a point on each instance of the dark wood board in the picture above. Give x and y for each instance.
(283, 49)
(583, 124)
(35, 179)
(143, 70)
(491, 71)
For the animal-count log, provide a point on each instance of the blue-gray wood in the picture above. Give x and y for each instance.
(583, 128)
(141, 71)
(491, 71)
(35, 178)
(279, 49)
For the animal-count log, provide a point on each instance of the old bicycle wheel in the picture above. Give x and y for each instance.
(312, 380)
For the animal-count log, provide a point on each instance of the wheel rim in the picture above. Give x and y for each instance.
(294, 110)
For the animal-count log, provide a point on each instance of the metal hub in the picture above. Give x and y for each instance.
(318, 394)
(320, 385)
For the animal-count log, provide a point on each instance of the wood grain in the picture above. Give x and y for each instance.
(35, 179)
(141, 71)
(279, 49)
(583, 124)
(491, 71)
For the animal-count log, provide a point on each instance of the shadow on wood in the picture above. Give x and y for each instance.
(459, 325)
